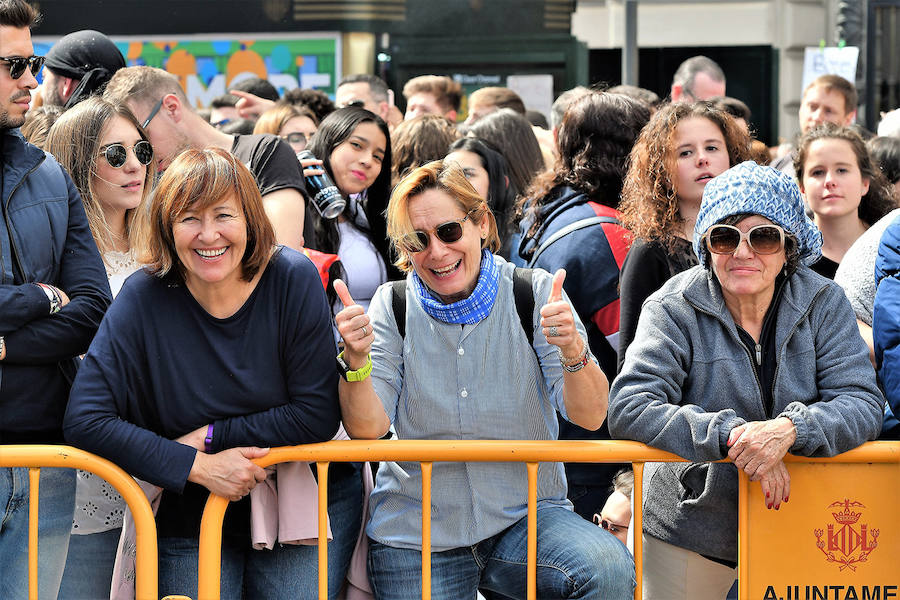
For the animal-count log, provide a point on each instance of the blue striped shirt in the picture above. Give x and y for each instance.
(451, 382)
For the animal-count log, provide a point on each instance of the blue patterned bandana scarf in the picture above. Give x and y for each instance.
(469, 310)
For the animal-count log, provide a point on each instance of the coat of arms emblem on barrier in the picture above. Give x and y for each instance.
(847, 542)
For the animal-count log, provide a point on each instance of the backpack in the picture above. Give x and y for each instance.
(522, 292)
(580, 224)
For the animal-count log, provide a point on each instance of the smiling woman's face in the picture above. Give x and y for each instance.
(745, 274)
(357, 161)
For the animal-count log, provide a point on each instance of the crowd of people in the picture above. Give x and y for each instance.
(182, 289)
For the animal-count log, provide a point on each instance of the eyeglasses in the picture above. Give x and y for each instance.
(355, 103)
(609, 525)
(17, 65)
(152, 113)
(448, 233)
(762, 239)
(295, 139)
(117, 154)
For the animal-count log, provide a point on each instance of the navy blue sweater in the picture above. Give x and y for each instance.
(161, 366)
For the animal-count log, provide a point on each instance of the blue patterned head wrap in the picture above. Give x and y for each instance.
(751, 189)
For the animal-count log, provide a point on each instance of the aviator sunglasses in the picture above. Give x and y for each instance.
(117, 154)
(17, 65)
(295, 138)
(762, 239)
(448, 233)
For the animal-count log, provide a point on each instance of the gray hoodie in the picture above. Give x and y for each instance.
(688, 381)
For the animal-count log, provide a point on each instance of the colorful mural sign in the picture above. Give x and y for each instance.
(208, 65)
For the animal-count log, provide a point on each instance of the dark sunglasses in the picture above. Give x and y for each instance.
(448, 233)
(17, 65)
(355, 103)
(609, 525)
(762, 239)
(117, 154)
(152, 114)
(295, 138)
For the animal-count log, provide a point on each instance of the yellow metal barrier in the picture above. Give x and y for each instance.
(35, 457)
(427, 452)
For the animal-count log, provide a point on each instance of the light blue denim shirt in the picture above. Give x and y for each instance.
(457, 382)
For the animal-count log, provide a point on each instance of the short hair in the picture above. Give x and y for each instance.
(196, 180)
(75, 142)
(562, 103)
(537, 118)
(651, 99)
(436, 175)
(649, 203)
(886, 152)
(500, 97)
(224, 101)
(502, 191)
(377, 86)
(276, 117)
(447, 92)
(623, 482)
(836, 83)
(733, 107)
(879, 200)
(417, 141)
(143, 85)
(18, 14)
(258, 87)
(315, 100)
(593, 143)
(38, 122)
(511, 133)
(688, 70)
(238, 126)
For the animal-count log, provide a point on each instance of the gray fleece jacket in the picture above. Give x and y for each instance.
(688, 381)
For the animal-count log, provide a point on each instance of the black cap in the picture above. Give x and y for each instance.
(88, 56)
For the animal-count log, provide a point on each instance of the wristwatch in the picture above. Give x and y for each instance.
(350, 375)
(53, 297)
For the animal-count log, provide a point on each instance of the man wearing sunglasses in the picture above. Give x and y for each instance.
(160, 104)
(53, 293)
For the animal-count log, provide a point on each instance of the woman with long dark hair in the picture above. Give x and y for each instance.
(487, 171)
(353, 146)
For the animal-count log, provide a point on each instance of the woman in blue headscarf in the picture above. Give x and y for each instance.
(749, 355)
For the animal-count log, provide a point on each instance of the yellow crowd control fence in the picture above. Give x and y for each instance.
(751, 506)
(794, 552)
(36, 457)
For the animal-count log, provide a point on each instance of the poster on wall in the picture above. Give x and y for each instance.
(208, 65)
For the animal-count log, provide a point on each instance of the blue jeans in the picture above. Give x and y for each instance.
(89, 566)
(575, 559)
(55, 508)
(285, 572)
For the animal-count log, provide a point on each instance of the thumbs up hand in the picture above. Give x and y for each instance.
(354, 326)
(558, 322)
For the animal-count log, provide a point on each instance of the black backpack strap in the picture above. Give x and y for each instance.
(524, 296)
(561, 233)
(398, 304)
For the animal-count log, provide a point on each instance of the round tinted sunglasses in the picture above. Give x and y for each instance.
(17, 65)
(295, 138)
(448, 233)
(762, 239)
(117, 154)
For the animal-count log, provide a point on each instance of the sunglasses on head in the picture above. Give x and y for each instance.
(17, 65)
(762, 239)
(448, 233)
(117, 154)
(295, 138)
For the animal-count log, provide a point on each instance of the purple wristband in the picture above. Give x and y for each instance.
(207, 442)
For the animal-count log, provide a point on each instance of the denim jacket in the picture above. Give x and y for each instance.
(688, 381)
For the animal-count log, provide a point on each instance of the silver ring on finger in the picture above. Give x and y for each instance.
(554, 331)
(365, 331)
